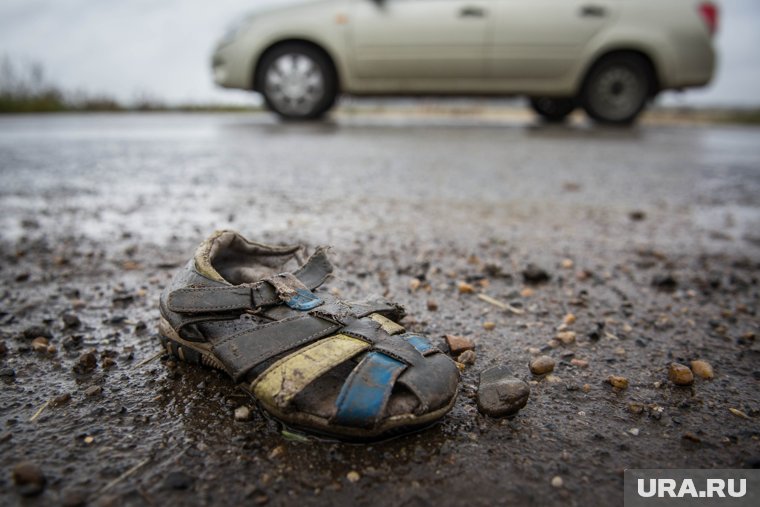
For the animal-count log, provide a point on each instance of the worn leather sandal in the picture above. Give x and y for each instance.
(314, 362)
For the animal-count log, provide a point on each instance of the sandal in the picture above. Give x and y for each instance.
(314, 362)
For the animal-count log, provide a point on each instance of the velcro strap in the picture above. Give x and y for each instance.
(243, 351)
(210, 299)
(250, 296)
(398, 348)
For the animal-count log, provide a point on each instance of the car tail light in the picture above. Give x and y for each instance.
(709, 13)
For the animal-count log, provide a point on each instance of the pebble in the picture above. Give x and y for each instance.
(276, 452)
(414, 284)
(3, 349)
(489, 325)
(33, 332)
(432, 305)
(535, 274)
(527, 292)
(541, 365)
(580, 363)
(86, 362)
(28, 478)
(7, 372)
(569, 319)
(499, 393)
(566, 337)
(567, 264)
(458, 344)
(618, 382)
(680, 374)
(702, 369)
(93, 391)
(353, 476)
(40, 344)
(178, 480)
(242, 413)
(61, 399)
(465, 288)
(70, 320)
(557, 481)
(467, 357)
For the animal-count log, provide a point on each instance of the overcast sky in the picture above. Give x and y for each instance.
(161, 48)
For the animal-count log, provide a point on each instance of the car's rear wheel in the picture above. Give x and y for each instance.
(553, 109)
(617, 89)
(298, 81)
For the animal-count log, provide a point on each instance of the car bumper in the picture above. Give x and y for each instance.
(231, 68)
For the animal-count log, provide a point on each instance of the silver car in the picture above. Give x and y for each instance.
(609, 57)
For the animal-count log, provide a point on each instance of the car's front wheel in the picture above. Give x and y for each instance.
(553, 109)
(297, 81)
(617, 88)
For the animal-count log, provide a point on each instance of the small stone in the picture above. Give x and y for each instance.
(580, 363)
(489, 325)
(3, 349)
(665, 282)
(70, 320)
(691, 437)
(619, 351)
(89, 439)
(527, 292)
(86, 362)
(586, 388)
(61, 399)
(500, 394)
(458, 344)
(276, 452)
(541, 365)
(465, 288)
(618, 381)
(93, 391)
(353, 476)
(702, 369)
(635, 408)
(569, 319)
(108, 362)
(414, 284)
(40, 344)
(566, 337)
(557, 481)
(33, 332)
(467, 357)
(432, 305)
(178, 480)
(29, 479)
(7, 372)
(51, 349)
(680, 374)
(567, 264)
(535, 275)
(242, 413)
(634, 431)
(637, 215)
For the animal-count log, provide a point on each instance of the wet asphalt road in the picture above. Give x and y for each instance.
(651, 238)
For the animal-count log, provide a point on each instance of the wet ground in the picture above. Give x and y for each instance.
(650, 238)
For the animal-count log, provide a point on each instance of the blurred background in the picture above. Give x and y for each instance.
(145, 54)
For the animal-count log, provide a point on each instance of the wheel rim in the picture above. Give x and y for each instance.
(294, 84)
(617, 93)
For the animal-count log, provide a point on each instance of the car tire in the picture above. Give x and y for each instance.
(617, 89)
(553, 109)
(298, 81)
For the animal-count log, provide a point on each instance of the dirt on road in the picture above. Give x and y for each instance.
(618, 252)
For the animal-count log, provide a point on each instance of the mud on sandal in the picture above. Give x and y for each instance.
(345, 369)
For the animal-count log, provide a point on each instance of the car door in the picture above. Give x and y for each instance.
(419, 39)
(543, 39)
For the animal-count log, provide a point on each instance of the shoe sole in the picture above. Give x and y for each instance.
(200, 353)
